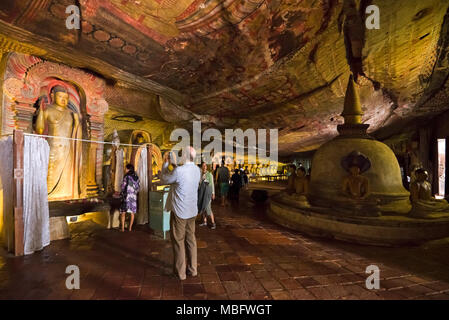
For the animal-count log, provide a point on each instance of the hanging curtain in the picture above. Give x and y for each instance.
(6, 195)
(119, 170)
(35, 198)
(142, 173)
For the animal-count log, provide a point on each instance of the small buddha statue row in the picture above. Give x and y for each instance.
(356, 190)
(424, 205)
(298, 185)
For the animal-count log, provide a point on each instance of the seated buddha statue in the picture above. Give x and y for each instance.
(301, 187)
(291, 179)
(424, 205)
(355, 186)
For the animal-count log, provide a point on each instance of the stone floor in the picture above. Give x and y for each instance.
(246, 257)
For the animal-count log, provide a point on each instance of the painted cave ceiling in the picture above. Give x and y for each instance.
(250, 63)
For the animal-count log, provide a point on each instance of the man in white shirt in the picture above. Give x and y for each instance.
(182, 202)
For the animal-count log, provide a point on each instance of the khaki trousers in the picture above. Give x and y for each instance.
(182, 232)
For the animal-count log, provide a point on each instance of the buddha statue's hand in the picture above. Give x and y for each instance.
(40, 121)
(364, 197)
(76, 118)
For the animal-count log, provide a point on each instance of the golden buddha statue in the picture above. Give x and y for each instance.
(291, 179)
(301, 182)
(65, 154)
(139, 139)
(423, 204)
(301, 187)
(355, 187)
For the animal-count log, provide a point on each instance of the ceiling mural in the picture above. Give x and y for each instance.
(117, 120)
(155, 18)
(258, 63)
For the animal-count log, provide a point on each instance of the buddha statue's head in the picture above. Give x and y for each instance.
(139, 139)
(291, 168)
(421, 175)
(354, 170)
(356, 163)
(60, 96)
(301, 172)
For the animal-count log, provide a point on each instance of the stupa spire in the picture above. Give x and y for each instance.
(352, 111)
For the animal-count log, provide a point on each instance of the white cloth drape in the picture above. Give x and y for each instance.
(119, 170)
(35, 198)
(6, 194)
(142, 172)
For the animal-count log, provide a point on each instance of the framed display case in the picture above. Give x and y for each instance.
(159, 218)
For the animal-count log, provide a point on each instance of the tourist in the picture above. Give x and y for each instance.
(183, 205)
(223, 182)
(245, 178)
(206, 193)
(128, 196)
(236, 185)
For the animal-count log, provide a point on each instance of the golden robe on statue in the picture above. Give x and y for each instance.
(65, 154)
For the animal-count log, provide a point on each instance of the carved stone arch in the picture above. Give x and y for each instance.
(25, 74)
(24, 77)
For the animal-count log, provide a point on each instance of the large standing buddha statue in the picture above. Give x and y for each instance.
(65, 153)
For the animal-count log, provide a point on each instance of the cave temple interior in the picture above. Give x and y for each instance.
(331, 117)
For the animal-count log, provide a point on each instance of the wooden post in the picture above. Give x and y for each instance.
(18, 144)
(446, 171)
(150, 167)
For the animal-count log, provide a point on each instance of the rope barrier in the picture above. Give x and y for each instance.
(82, 140)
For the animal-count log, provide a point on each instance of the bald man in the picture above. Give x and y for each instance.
(182, 202)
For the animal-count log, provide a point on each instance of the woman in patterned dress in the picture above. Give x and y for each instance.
(130, 188)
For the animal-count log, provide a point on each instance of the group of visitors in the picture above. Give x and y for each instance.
(131, 185)
(230, 186)
(191, 194)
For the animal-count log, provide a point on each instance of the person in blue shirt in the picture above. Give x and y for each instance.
(182, 202)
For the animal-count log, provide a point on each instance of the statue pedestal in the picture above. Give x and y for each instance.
(114, 220)
(379, 231)
(59, 228)
(92, 191)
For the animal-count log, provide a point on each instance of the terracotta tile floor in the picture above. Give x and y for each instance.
(246, 257)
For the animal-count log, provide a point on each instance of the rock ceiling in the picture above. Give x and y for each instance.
(252, 63)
